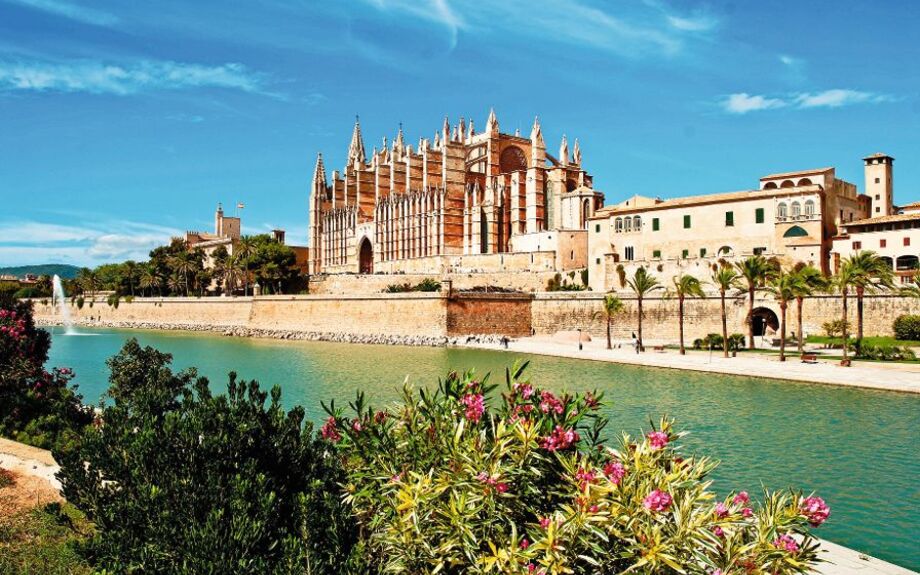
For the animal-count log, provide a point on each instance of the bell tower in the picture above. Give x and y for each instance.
(880, 184)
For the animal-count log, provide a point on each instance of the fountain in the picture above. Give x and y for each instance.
(59, 299)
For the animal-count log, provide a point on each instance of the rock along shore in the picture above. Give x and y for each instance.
(240, 331)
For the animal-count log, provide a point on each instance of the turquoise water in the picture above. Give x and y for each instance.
(856, 448)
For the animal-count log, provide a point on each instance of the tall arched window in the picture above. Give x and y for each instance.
(809, 208)
(781, 210)
(637, 223)
(618, 225)
(796, 209)
(627, 223)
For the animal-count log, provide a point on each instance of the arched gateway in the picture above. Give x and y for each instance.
(762, 319)
(366, 257)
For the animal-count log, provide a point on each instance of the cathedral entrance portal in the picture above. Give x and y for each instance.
(366, 257)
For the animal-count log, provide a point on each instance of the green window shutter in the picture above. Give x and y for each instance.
(597, 228)
(729, 219)
(702, 252)
(656, 253)
(686, 222)
(758, 214)
(685, 254)
(654, 224)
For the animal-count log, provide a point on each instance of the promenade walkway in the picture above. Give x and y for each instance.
(888, 376)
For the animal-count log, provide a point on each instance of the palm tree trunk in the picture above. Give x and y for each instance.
(680, 321)
(860, 292)
(641, 347)
(750, 318)
(782, 331)
(724, 327)
(844, 326)
(609, 346)
(799, 301)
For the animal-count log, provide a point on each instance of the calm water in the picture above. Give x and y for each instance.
(856, 448)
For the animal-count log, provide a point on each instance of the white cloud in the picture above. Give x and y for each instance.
(97, 77)
(743, 103)
(693, 24)
(71, 11)
(788, 60)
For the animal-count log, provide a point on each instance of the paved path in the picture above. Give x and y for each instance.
(893, 376)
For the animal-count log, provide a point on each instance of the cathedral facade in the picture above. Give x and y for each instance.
(462, 201)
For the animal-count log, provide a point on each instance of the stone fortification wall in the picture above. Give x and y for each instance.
(221, 312)
(552, 312)
(334, 284)
(505, 314)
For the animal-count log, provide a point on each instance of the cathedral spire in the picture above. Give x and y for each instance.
(576, 153)
(356, 148)
(536, 133)
(492, 122)
(461, 129)
(472, 131)
(400, 138)
(564, 151)
(445, 130)
(319, 172)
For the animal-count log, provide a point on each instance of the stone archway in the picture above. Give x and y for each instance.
(366, 257)
(762, 319)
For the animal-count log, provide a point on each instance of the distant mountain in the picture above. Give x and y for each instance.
(64, 270)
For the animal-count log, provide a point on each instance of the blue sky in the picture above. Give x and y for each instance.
(122, 124)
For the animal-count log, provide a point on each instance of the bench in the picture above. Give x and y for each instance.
(809, 358)
(659, 348)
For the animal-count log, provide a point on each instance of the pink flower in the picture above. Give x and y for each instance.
(396, 478)
(657, 501)
(501, 487)
(715, 572)
(657, 439)
(531, 567)
(615, 471)
(718, 532)
(544, 522)
(525, 389)
(741, 498)
(816, 510)
(356, 426)
(483, 477)
(549, 402)
(594, 509)
(584, 477)
(380, 417)
(525, 543)
(747, 512)
(721, 510)
(560, 439)
(329, 431)
(475, 406)
(786, 542)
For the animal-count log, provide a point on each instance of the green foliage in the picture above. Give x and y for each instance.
(712, 340)
(80, 301)
(179, 480)
(444, 483)
(883, 352)
(426, 285)
(835, 327)
(584, 277)
(44, 540)
(6, 478)
(113, 300)
(736, 342)
(37, 406)
(907, 327)
(65, 271)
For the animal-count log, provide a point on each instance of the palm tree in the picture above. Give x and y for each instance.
(843, 280)
(43, 284)
(642, 283)
(244, 250)
(613, 306)
(130, 271)
(685, 285)
(149, 279)
(183, 263)
(870, 274)
(753, 273)
(89, 280)
(176, 283)
(233, 270)
(724, 279)
(784, 287)
(810, 280)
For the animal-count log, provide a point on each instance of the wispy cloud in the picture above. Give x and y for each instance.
(742, 103)
(97, 77)
(693, 24)
(29, 242)
(71, 11)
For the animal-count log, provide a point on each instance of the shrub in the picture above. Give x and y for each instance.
(712, 340)
(834, 328)
(6, 478)
(907, 327)
(584, 276)
(26, 293)
(113, 300)
(444, 482)
(883, 352)
(426, 285)
(736, 342)
(205, 483)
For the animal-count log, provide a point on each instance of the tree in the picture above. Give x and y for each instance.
(870, 273)
(753, 273)
(89, 281)
(43, 284)
(685, 285)
(206, 482)
(183, 263)
(784, 287)
(724, 279)
(843, 281)
(176, 283)
(642, 283)
(149, 279)
(130, 272)
(245, 249)
(810, 280)
(613, 306)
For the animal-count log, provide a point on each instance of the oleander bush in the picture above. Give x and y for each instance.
(907, 327)
(461, 480)
(179, 480)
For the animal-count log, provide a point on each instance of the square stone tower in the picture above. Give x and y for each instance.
(880, 184)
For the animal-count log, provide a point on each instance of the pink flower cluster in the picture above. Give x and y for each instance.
(721, 510)
(560, 439)
(657, 501)
(786, 542)
(475, 405)
(585, 477)
(550, 403)
(525, 389)
(615, 471)
(329, 431)
(657, 439)
(492, 481)
(816, 510)
(13, 325)
(517, 410)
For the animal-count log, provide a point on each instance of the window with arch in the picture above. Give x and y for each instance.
(796, 209)
(726, 251)
(618, 225)
(781, 210)
(809, 208)
(627, 224)
(770, 186)
(787, 184)
(637, 223)
(805, 182)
